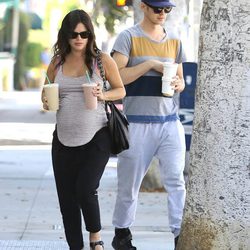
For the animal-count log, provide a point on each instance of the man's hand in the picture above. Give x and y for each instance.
(178, 84)
(156, 65)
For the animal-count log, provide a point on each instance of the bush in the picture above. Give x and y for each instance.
(33, 55)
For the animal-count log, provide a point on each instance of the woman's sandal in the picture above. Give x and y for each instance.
(96, 243)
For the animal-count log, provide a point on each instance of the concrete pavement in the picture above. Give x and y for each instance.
(29, 212)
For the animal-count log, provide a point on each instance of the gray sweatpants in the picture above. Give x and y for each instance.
(166, 141)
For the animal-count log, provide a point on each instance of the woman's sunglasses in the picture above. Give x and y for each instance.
(83, 35)
(158, 10)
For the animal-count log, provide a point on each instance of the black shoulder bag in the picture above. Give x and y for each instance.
(117, 122)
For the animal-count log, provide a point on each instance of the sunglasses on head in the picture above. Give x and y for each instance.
(158, 10)
(83, 35)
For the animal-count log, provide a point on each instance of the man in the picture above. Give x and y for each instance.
(155, 128)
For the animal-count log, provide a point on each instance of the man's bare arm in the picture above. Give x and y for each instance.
(130, 74)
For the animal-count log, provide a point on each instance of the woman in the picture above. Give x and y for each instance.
(81, 142)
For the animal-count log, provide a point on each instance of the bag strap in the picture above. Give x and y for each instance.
(100, 66)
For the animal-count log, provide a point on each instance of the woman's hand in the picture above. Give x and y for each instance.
(178, 84)
(45, 103)
(98, 92)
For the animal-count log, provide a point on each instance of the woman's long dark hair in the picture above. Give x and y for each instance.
(62, 47)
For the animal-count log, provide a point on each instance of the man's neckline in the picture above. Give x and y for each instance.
(150, 38)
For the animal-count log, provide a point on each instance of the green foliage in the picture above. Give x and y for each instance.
(106, 9)
(72, 6)
(63, 9)
(111, 13)
(32, 55)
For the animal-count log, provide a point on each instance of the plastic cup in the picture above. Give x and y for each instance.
(167, 89)
(169, 72)
(52, 94)
(89, 99)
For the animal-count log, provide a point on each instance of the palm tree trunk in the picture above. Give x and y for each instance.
(217, 209)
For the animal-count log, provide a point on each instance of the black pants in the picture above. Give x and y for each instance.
(78, 171)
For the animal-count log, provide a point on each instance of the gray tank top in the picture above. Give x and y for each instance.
(76, 125)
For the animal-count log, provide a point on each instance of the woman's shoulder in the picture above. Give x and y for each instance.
(106, 58)
(55, 62)
(54, 66)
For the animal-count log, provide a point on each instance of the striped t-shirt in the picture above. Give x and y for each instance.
(144, 102)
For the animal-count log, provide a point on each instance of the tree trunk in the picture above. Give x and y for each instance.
(217, 209)
(138, 14)
(152, 180)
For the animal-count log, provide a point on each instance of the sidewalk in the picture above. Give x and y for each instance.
(29, 213)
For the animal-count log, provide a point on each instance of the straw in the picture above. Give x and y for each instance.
(47, 78)
(87, 74)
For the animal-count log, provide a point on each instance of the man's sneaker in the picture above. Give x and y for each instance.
(176, 241)
(122, 239)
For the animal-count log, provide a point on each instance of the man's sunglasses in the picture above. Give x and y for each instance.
(83, 35)
(158, 10)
